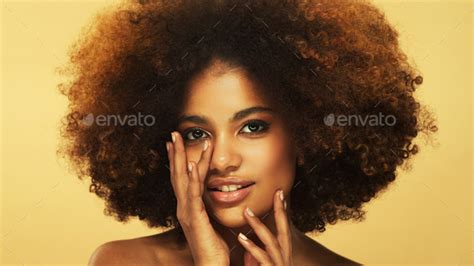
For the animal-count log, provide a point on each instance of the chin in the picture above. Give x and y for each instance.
(230, 217)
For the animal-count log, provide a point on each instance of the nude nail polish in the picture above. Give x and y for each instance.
(173, 137)
(243, 237)
(249, 212)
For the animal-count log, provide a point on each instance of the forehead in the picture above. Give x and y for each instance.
(221, 93)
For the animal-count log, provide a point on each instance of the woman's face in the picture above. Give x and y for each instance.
(251, 147)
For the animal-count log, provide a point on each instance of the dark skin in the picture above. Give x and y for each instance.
(166, 249)
(270, 239)
(348, 45)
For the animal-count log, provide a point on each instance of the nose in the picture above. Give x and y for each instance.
(225, 157)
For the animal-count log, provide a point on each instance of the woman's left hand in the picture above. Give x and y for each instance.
(278, 250)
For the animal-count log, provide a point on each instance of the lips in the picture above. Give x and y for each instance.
(229, 190)
(225, 183)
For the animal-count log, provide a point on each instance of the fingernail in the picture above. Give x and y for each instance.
(206, 145)
(190, 167)
(284, 204)
(243, 237)
(282, 197)
(249, 212)
(173, 137)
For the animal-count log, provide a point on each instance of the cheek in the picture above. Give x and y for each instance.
(193, 153)
(273, 167)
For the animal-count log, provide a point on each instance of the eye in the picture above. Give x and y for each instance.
(256, 127)
(194, 134)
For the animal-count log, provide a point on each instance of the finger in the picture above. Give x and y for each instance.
(196, 203)
(179, 190)
(169, 148)
(204, 159)
(249, 260)
(259, 254)
(265, 235)
(195, 189)
(282, 225)
(180, 163)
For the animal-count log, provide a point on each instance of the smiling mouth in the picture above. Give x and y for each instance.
(230, 194)
(229, 188)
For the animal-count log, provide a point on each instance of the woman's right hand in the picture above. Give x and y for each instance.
(206, 245)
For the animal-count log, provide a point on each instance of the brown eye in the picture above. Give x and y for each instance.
(194, 134)
(256, 126)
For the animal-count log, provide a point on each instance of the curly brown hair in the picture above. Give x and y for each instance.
(313, 60)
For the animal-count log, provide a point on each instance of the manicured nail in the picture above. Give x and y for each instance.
(249, 212)
(284, 204)
(173, 137)
(243, 237)
(282, 197)
(190, 167)
(206, 145)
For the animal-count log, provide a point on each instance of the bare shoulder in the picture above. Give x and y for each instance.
(159, 249)
(120, 252)
(314, 251)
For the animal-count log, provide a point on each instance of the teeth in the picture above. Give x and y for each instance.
(229, 188)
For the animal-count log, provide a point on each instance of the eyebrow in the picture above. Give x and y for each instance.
(237, 116)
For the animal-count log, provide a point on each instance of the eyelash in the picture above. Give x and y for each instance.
(260, 123)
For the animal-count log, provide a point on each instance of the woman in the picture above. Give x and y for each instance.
(260, 99)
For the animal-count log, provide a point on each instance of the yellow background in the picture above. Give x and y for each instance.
(48, 216)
